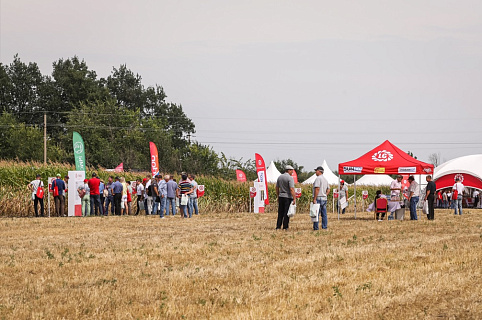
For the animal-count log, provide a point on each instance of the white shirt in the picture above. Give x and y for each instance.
(140, 189)
(414, 188)
(476, 193)
(459, 187)
(395, 185)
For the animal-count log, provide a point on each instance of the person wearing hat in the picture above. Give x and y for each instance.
(459, 187)
(342, 194)
(117, 189)
(33, 186)
(58, 188)
(321, 189)
(285, 190)
(84, 194)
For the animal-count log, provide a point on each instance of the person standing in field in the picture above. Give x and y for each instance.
(321, 189)
(445, 199)
(185, 189)
(413, 197)
(149, 195)
(193, 197)
(124, 196)
(459, 189)
(117, 189)
(172, 193)
(140, 195)
(343, 194)
(396, 187)
(129, 198)
(110, 197)
(285, 191)
(84, 194)
(156, 199)
(476, 198)
(163, 195)
(66, 190)
(34, 186)
(94, 184)
(430, 197)
(58, 188)
(102, 197)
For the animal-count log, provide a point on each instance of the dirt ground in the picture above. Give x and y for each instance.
(237, 266)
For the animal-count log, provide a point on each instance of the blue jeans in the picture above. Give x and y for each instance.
(184, 210)
(413, 208)
(163, 206)
(171, 202)
(109, 200)
(192, 206)
(155, 207)
(458, 205)
(322, 213)
(95, 203)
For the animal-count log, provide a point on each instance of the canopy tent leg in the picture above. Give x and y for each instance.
(338, 208)
(354, 194)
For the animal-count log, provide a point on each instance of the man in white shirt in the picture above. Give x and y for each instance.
(140, 194)
(343, 196)
(321, 189)
(396, 187)
(33, 186)
(413, 197)
(476, 198)
(459, 187)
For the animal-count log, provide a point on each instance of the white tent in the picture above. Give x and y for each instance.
(272, 173)
(374, 180)
(469, 164)
(328, 174)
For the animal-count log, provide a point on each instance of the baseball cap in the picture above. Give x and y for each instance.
(58, 175)
(319, 168)
(342, 181)
(288, 167)
(85, 180)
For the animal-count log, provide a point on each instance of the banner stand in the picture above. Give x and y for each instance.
(75, 202)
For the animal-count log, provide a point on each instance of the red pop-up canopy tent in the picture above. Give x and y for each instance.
(385, 159)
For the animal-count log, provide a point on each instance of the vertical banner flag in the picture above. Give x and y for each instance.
(119, 168)
(261, 171)
(200, 191)
(154, 159)
(240, 175)
(79, 152)
(295, 176)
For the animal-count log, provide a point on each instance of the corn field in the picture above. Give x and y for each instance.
(220, 195)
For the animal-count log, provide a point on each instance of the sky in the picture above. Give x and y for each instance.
(304, 80)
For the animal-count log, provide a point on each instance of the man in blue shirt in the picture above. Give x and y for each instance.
(163, 194)
(117, 189)
(172, 193)
(58, 188)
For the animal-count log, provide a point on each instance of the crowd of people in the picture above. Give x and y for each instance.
(154, 195)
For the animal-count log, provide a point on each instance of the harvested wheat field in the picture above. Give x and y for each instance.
(236, 266)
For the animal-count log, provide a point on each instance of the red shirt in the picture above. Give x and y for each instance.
(94, 186)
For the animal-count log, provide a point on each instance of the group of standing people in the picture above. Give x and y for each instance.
(161, 195)
(157, 196)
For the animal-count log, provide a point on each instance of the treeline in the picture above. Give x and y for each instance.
(117, 116)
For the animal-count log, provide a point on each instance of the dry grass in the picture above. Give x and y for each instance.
(236, 266)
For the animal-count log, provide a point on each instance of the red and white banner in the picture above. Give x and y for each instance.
(119, 168)
(200, 191)
(252, 192)
(240, 175)
(295, 176)
(335, 193)
(75, 202)
(154, 159)
(261, 171)
(364, 194)
(298, 193)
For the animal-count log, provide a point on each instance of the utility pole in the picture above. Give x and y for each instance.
(45, 137)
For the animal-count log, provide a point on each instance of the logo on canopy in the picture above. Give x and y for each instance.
(459, 176)
(382, 155)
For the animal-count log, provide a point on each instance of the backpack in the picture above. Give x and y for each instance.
(149, 190)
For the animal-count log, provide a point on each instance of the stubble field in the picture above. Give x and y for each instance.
(236, 266)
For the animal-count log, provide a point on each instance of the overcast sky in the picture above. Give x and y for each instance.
(306, 80)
